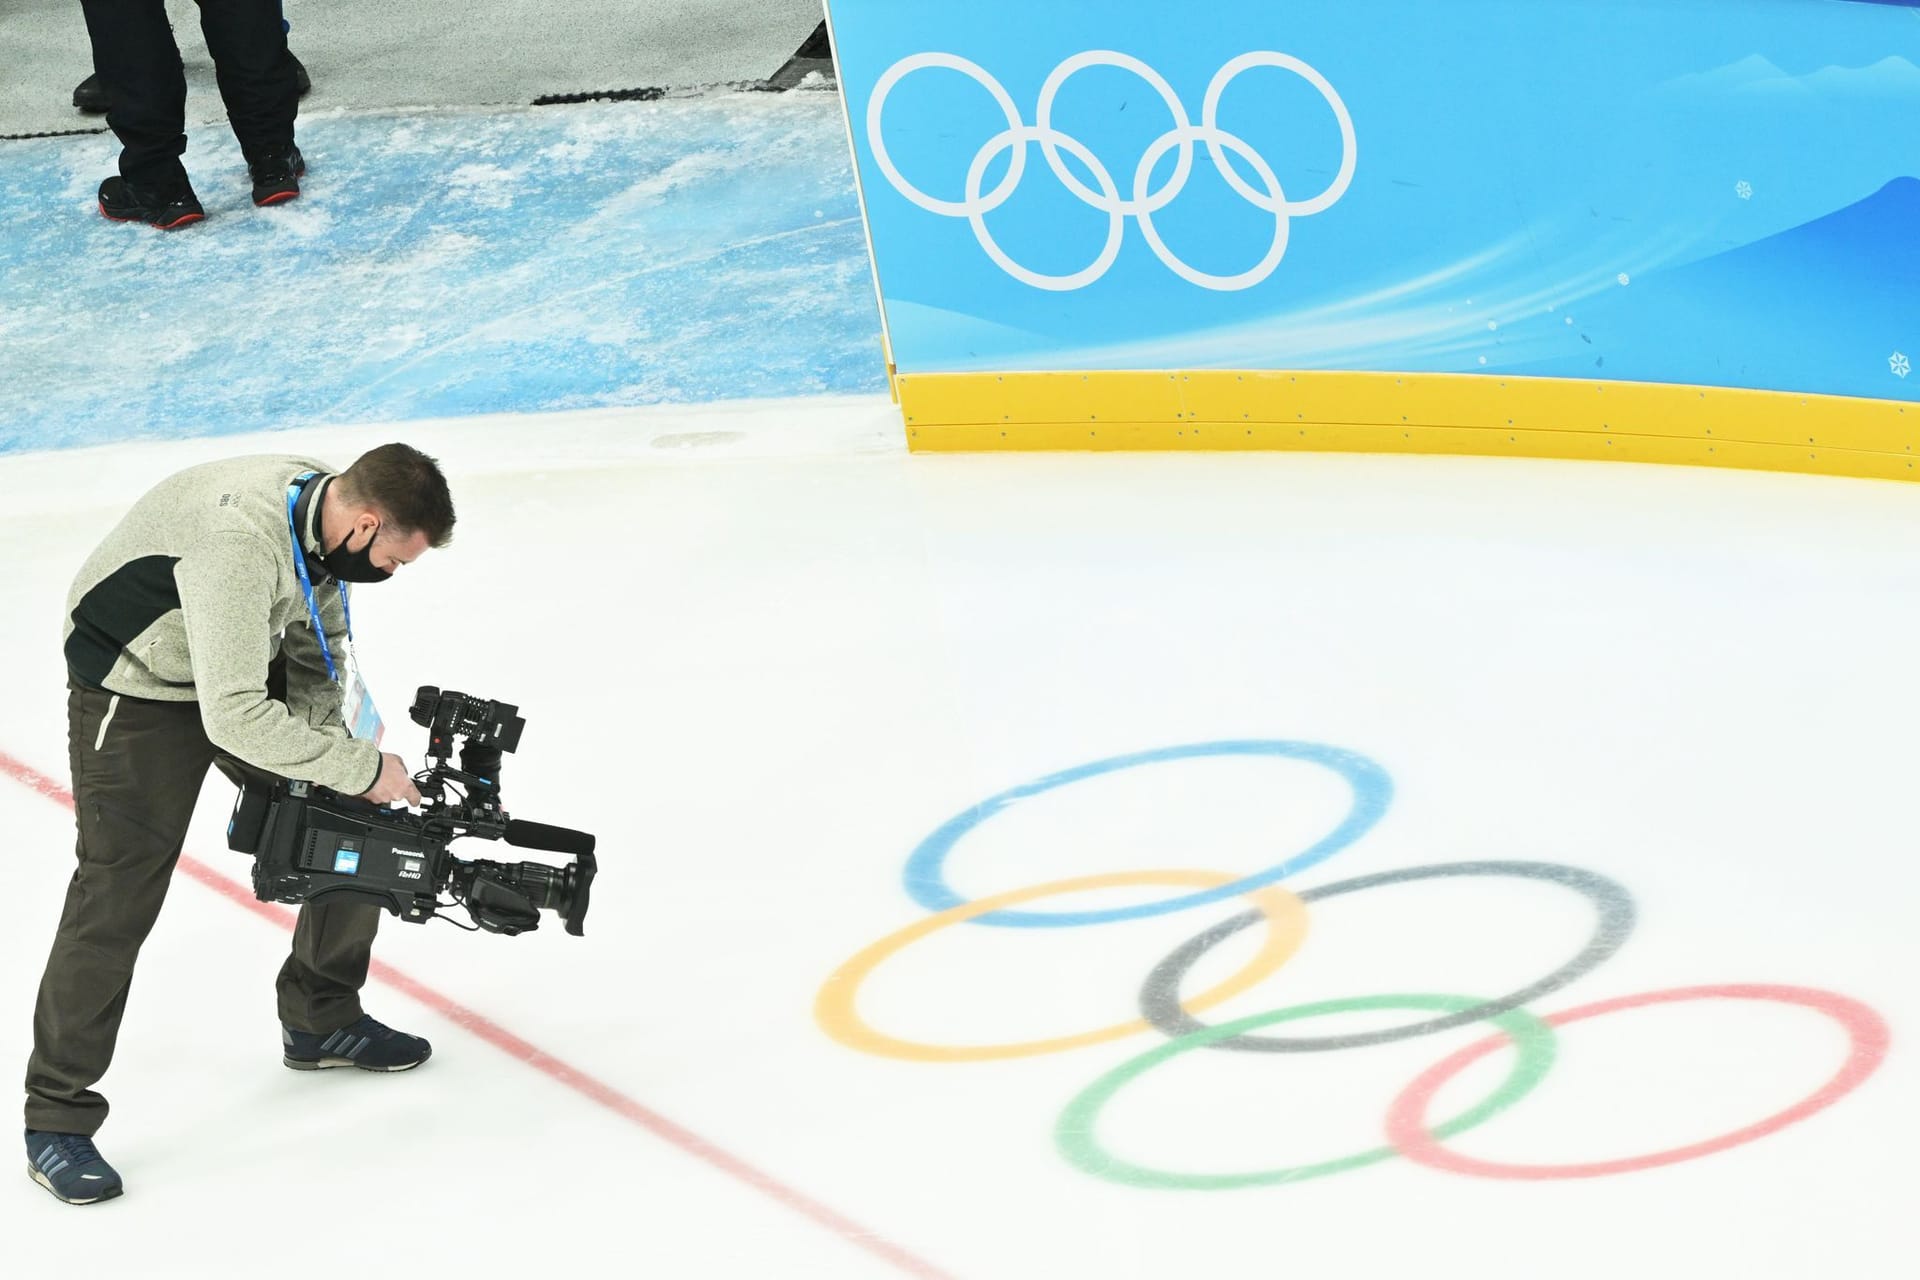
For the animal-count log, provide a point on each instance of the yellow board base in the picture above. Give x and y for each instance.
(1412, 413)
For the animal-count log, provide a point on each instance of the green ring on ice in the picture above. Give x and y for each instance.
(1074, 1132)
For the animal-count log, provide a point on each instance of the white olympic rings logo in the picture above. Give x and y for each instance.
(1144, 203)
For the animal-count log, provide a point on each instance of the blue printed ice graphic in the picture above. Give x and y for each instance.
(452, 263)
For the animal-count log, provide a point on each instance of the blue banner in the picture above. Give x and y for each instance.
(1714, 192)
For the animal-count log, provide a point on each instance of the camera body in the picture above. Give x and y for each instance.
(310, 843)
(483, 728)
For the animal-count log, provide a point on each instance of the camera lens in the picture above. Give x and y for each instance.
(544, 886)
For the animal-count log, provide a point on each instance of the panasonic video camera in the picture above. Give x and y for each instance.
(311, 843)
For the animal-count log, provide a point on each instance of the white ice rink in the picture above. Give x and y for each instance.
(765, 654)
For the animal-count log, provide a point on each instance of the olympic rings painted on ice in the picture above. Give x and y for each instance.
(1867, 1034)
(836, 1012)
(1613, 911)
(1144, 202)
(1285, 914)
(1074, 1134)
(1372, 793)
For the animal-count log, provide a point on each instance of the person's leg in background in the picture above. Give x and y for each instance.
(248, 41)
(137, 60)
(90, 96)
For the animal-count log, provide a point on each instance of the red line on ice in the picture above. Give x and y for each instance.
(572, 1077)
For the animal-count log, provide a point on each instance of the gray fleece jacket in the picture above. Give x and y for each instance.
(193, 596)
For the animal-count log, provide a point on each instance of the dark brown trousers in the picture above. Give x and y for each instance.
(137, 768)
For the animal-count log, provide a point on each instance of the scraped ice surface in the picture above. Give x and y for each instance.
(443, 263)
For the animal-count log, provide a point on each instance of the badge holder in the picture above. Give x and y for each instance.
(357, 709)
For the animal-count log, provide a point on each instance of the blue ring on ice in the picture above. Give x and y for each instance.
(1372, 792)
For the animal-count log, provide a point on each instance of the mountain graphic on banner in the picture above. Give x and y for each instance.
(1841, 291)
(1861, 254)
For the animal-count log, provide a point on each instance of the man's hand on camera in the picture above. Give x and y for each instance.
(394, 783)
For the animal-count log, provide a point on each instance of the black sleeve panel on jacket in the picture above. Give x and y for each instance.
(119, 607)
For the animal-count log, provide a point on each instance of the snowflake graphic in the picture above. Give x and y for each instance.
(1900, 365)
(1743, 189)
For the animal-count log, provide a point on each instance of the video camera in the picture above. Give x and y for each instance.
(309, 842)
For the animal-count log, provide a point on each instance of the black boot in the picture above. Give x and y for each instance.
(300, 74)
(121, 201)
(276, 176)
(91, 96)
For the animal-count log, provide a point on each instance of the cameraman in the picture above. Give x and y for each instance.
(192, 631)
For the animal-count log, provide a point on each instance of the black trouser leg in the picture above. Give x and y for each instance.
(137, 769)
(257, 81)
(139, 65)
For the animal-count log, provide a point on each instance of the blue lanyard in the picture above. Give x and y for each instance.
(306, 583)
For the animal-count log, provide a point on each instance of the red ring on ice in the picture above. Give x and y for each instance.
(1406, 1118)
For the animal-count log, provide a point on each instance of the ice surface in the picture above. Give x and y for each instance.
(764, 653)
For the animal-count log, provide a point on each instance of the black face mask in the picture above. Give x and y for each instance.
(355, 566)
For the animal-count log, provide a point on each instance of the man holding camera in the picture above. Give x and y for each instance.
(215, 619)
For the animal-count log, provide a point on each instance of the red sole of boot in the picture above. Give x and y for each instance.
(278, 197)
(186, 220)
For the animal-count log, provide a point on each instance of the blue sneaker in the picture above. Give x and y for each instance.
(366, 1044)
(69, 1165)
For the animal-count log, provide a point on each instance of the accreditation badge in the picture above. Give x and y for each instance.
(357, 709)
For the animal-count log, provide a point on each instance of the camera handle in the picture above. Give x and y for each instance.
(500, 910)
